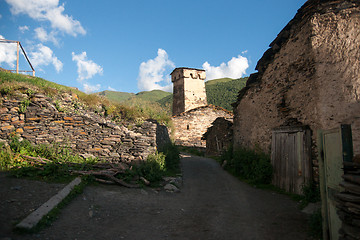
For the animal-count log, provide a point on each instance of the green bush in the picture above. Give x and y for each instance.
(152, 169)
(315, 225)
(172, 157)
(248, 164)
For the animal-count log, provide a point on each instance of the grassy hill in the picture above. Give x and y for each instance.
(131, 98)
(116, 96)
(220, 92)
(223, 92)
(152, 96)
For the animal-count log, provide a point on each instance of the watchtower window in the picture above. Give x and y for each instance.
(191, 75)
(188, 127)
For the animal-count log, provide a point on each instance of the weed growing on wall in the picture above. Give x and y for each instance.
(23, 105)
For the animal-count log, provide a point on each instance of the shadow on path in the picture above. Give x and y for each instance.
(212, 204)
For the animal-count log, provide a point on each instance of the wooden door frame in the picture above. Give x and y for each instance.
(347, 153)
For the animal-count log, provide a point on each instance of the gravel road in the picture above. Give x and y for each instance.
(212, 204)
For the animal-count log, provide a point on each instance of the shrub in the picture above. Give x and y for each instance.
(311, 192)
(61, 160)
(153, 168)
(172, 157)
(249, 164)
(315, 225)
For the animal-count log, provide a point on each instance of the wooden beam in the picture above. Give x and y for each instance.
(17, 59)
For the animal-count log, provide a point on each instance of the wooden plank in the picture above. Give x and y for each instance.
(325, 219)
(352, 165)
(352, 178)
(350, 187)
(273, 157)
(284, 169)
(348, 197)
(352, 231)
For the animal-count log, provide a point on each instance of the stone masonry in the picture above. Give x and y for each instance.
(191, 125)
(309, 76)
(189, 89)
(219, 136)
(86, 133)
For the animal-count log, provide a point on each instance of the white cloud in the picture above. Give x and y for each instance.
(151, 73)
(47, 10)
(43, 56)
(8, 53)
(85, 68)
(235, 68)
(88, 88)
(111, 88)
(23, 28)
(43, 36)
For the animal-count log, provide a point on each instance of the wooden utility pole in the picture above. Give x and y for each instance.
(17, 59)
(18, 55)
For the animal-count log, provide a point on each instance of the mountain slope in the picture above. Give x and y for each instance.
(152, 96)
(223, 92)
(220, 92)
(116, 96)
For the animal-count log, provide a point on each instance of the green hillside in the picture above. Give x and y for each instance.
(220, 92)
(116, 96)
(152, 96)
(217, 81)
(223, 92)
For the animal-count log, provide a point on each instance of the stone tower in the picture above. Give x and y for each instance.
(189, 89)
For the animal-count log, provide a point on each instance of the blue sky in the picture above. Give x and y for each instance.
(131, 46)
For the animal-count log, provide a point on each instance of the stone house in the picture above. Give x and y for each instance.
(219, 136)
(192, 116)
(309, 76)
(308, 79)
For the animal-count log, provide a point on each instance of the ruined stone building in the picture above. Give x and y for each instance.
(219, 136)
(191, 113)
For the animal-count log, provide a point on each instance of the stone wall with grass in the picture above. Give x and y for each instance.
(40, 119)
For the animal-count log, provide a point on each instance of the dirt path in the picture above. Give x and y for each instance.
(211, 205)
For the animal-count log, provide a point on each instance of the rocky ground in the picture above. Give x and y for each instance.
(211, 204)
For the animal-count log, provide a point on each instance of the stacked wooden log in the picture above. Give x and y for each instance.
(348, 202)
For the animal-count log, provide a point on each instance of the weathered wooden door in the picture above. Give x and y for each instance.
(335, 146)
(291, 158)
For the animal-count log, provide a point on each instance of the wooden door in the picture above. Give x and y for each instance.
(291, 158)
(335, 146)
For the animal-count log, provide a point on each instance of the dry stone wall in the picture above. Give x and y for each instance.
(309, 76)
(191, 125)
(86, 132)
